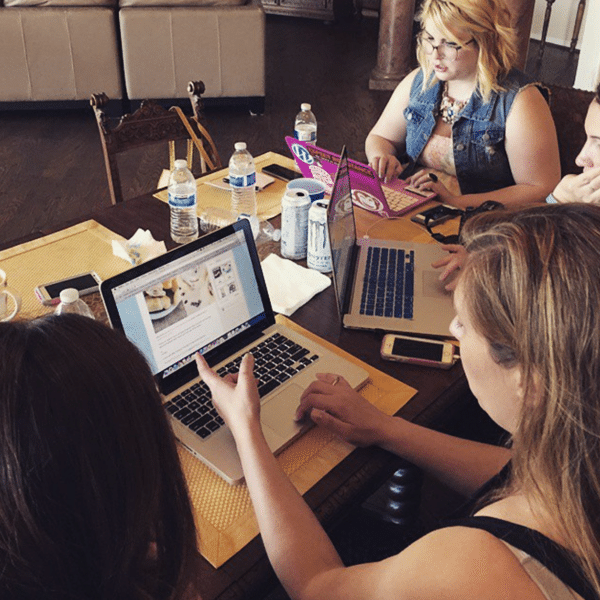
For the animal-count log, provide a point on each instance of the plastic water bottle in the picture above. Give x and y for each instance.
(182, 201)
(242, 179)
(70, 302)
(305, 127)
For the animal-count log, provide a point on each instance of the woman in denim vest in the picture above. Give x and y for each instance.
(481, 129)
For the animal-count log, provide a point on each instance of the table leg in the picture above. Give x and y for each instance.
(395, 49)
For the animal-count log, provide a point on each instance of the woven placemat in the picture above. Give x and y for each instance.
(268, 200)
(83, 247)
(224, 515)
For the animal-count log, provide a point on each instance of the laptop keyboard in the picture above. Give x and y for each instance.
(388, 288)
(276, 360)
(400, 201)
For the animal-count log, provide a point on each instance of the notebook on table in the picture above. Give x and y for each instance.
(390, 199)
(379, 284)
(210, 296)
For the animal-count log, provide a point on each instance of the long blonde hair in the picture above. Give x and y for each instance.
(532, 289)
(487, 22)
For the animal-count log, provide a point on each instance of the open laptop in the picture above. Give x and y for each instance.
(210, 296)
(390, 199)
(381, 284)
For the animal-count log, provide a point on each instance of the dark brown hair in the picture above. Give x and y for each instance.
(93, 503)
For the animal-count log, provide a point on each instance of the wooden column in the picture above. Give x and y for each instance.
(394, 51)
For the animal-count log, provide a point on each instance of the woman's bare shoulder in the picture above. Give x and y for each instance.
(462, 563)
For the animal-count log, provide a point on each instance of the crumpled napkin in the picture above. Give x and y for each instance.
(139, 248)
(290, 285)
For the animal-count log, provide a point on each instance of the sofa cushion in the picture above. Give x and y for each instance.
(58, 53)
(194, 3)
(69, 3)
(164, 48)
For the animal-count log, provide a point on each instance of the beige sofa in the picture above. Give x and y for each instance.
(65, 50)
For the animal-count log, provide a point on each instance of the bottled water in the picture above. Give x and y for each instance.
(182, 201)
(242, 179)
(70, 302)
(305, 127)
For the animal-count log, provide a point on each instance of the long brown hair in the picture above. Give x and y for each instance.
(532, 288)
(93, 503)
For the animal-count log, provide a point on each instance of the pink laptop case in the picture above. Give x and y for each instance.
(367, 193)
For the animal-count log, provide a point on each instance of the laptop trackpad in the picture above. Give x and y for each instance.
(432, 286)
(278, 412)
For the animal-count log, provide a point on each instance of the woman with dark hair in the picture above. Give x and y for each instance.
(584, 187)
(93, 502)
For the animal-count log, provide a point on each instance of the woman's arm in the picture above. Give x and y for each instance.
(532, 149)
(388, 136)
(440, 565)
(462, 464)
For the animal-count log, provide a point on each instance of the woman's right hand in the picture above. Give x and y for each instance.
(387, 166)
(331, 402)
(235, 396)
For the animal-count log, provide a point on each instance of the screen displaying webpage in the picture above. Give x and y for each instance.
(193, 303)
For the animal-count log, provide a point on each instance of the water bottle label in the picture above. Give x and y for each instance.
(305, 135)
(182, 200)
(241, 181)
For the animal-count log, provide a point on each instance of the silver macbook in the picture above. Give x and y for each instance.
(210, 296)
(379, 284)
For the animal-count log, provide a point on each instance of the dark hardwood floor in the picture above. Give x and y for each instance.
(51, 165)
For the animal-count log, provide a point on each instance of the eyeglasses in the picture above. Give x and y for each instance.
(447, 50)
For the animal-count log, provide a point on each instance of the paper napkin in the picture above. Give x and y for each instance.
(139, 248)
(291, 285)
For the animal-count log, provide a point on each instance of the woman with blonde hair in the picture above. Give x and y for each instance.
(480, 129)
(529, 330)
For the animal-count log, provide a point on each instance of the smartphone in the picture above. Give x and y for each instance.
(437, 214)
(85, 283)
(281, 172)
(419, 351)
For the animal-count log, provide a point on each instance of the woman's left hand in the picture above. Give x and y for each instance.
(423, 181)
(235, 396)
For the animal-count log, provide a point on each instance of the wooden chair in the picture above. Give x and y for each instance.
(151, 124)
(569, 108)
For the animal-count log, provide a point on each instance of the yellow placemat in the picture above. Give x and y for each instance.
(224, 515)
(268, 200)
(83, 247)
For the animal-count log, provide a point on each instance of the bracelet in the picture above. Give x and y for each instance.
(550, 199)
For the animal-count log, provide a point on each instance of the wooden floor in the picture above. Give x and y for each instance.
(51, 166)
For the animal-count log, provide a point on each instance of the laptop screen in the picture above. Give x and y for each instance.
(342, 233)
(203, 296)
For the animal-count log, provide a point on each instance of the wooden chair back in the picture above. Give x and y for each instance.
(151, 124)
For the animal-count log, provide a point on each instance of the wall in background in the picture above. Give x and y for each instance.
(562, 21)
(560, 32)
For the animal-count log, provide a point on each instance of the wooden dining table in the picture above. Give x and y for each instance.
(248, 574)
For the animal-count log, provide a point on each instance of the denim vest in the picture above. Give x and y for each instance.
(477, 136)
